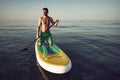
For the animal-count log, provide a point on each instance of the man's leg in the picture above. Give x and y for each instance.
(52, 46)
(50, 40)
(41, 41)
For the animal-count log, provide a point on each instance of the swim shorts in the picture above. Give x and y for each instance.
(46, 36)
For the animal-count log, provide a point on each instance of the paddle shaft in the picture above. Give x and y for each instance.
(33, 41)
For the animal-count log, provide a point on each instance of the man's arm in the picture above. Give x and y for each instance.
(55, 23)
(38, 28)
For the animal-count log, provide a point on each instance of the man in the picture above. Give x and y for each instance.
(44, 27)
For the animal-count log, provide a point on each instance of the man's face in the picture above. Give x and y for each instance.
(45, 12)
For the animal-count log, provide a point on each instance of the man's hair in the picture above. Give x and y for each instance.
(45, 9)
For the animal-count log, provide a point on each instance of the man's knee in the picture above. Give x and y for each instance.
(39, 43)
(51, 43)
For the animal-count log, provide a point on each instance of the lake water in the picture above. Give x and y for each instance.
(93, 47)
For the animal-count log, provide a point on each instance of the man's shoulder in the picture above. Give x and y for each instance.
(41, 17)
(50, 17)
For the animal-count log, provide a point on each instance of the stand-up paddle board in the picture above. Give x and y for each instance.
(52, 58)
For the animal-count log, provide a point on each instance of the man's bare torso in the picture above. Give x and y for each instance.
(45, 23)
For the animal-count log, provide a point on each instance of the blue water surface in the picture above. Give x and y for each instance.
(93, 47)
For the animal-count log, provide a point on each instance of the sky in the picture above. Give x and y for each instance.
(60, 9)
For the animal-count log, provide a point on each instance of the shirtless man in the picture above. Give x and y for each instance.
(44, 27)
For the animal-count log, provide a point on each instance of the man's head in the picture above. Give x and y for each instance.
(45, 11)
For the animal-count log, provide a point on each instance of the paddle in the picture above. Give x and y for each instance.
(34, 41)
(28, 46)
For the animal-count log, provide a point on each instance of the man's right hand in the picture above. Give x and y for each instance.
(37, 37)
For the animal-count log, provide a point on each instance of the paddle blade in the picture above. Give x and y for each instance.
(23, 49)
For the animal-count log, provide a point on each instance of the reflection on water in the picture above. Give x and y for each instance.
(93, 47)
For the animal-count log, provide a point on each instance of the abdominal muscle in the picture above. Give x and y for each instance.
(44, 28)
